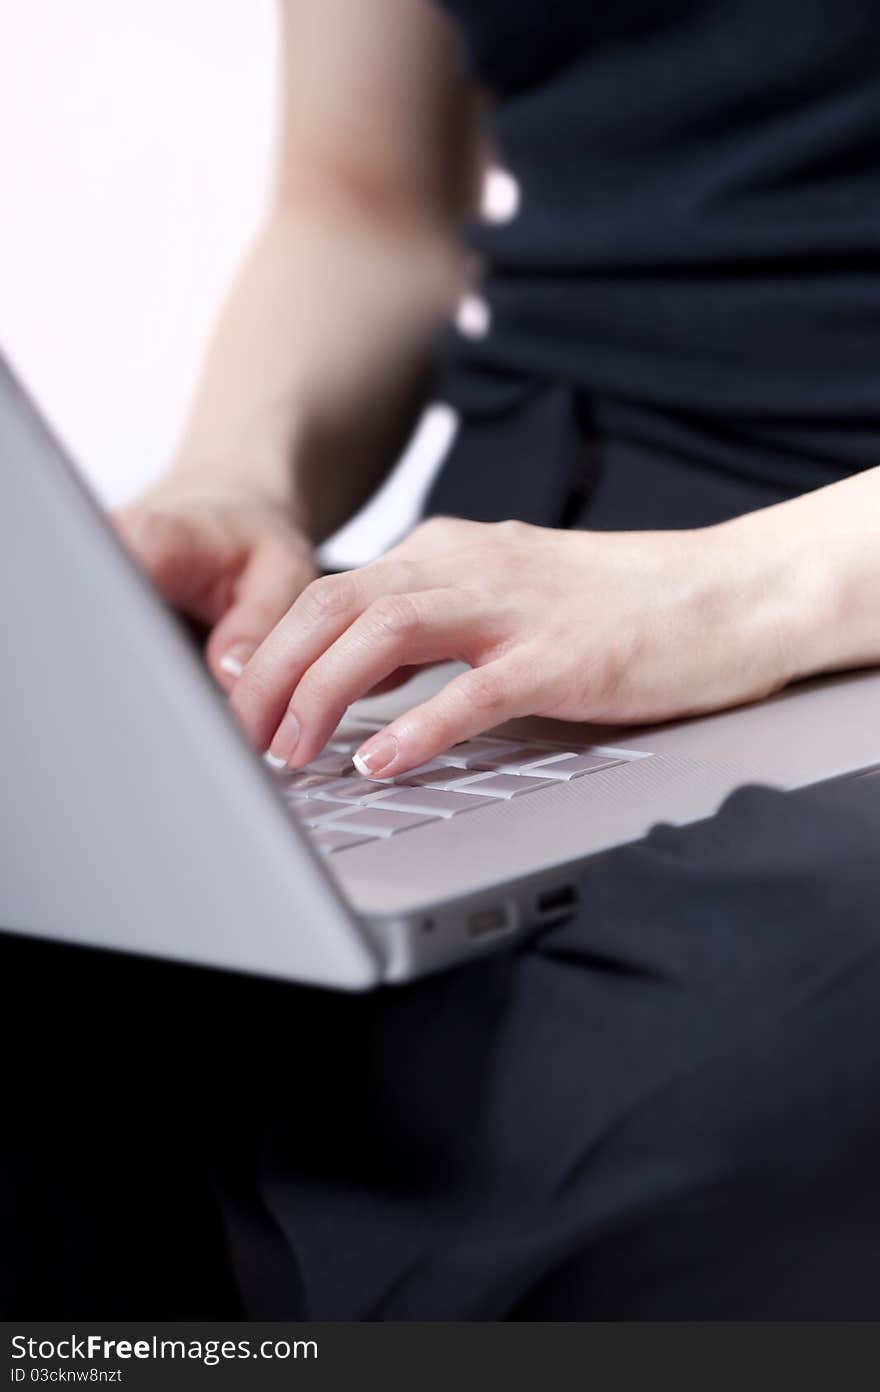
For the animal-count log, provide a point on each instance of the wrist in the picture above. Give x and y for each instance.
(252, 477)
(788, 595)
(243, 449)
(203, 477)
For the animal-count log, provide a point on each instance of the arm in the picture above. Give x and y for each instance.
(827, 568)
(606, 627)
(316, 365)
(314, 371)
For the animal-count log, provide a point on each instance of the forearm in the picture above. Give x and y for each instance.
(317, 362)
(819, 555)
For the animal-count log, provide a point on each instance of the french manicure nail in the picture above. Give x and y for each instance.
(286, 739)
(231, 664)
(235, 657)
(274, 762)
(376, 755)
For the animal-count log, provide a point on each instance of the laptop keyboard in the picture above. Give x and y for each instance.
(341, 809)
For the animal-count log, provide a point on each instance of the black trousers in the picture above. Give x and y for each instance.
(665, 1108)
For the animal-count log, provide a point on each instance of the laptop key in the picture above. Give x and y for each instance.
(520, 758)
(572, 766)
(373, 821)
(335, 764)
(436, 801)
(351, 789)
(448, 777)
(349, 740)
(500, 785)
(328, 839)
(471, 753)
(313, 813)
(302, 784)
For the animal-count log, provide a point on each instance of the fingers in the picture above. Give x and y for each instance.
(394, 630)
(275, 576)
(396, 679)
(183, 554)
(347, 634)
(319, 617)
(468, 705)
(237, 572)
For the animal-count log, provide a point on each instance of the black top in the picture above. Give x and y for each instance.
(697, 253)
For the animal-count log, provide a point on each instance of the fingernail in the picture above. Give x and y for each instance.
(376, 755)
(286, 739)
(275, 763)
(234, 659)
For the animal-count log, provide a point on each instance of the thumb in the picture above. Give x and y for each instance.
(278, 571)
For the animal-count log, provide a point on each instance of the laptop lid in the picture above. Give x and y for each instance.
(132, 814)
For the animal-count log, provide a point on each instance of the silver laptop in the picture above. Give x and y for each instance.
(135, 817)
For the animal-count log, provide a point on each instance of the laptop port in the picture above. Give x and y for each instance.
(488, 921)
(557, 901)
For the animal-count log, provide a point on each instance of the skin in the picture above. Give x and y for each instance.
(312, 379)
(316, 369)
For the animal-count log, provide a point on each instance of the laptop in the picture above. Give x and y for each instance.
(135, 817)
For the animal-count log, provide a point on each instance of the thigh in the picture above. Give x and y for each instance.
(663, 1107)
(106, 1202)
(744, 1188)
(656, 1108)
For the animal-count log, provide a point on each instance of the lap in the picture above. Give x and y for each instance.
(699, 977)
(616, 1121)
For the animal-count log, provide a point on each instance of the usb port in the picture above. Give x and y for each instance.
(487, 921)
(557, 901)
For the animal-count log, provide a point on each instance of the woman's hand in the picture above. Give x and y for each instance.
(609, 627)
(228, 558)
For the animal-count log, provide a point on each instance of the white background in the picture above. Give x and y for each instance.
(136, 144)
